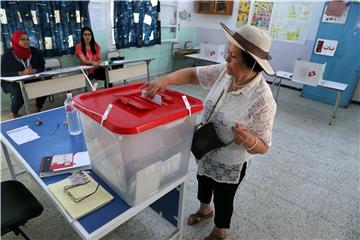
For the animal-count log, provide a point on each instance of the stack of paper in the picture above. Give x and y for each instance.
(22, 134)
(89, 204)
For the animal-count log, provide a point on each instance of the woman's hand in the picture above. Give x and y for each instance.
(243, 136)
(27, 71)
(96, 64)
(156, 86)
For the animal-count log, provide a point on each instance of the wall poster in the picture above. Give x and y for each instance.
(290, 21)
(243, 13)
(262, 14)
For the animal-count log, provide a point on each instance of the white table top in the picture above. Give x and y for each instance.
(46, 73)
(333, 85)
(197, 56)
(323, 83)
(118, 62)
(284, 75)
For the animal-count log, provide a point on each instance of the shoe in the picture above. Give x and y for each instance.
(13, 115)
(197, 217)
(37, 109)
(214, 236)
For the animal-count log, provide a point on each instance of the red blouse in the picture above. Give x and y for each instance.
(89, 55)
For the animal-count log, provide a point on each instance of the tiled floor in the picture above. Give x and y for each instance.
(305, 187)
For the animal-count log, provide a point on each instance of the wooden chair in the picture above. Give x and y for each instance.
(129, 73)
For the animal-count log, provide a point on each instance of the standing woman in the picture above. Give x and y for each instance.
(241, 107)
(21, 59)
(88, 52)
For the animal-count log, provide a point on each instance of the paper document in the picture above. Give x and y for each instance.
(22, 134)
(284, 74)
(106, 63)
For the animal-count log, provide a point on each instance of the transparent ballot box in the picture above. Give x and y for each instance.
(138, 145)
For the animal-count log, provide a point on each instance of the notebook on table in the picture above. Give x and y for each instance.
(84, 198)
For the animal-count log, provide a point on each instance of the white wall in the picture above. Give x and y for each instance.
(284, 53)
(207, 20)
(212, 21)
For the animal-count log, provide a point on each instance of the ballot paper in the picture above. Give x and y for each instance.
(22, 135)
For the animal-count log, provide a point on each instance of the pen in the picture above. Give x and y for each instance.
(57, 126)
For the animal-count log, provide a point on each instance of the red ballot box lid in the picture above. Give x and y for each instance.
(130, 112)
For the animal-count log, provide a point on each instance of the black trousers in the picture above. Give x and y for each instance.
(224, 194)
(17, 100)
(99, 74)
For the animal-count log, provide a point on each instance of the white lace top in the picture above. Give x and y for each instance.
(253, 106)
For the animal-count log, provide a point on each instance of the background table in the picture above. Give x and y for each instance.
(197, 57)
(338, 87)
(127, 72)
(30, 90)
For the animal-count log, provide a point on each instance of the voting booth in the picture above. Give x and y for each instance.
(143, 144)
(308, 73)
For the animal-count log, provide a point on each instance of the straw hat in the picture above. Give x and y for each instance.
(254, 41)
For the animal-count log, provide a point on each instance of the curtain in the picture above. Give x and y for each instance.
(53, 26)
(136, 23)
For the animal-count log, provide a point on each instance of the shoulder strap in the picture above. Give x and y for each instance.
(217, 101)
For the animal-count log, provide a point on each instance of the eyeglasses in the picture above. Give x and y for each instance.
(67, 191)
(78, 199)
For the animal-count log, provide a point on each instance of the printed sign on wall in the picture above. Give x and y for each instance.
(334, 19)
(325, 47)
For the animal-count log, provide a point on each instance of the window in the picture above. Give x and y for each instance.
(136, 23)
(169, 16)
(53, 26)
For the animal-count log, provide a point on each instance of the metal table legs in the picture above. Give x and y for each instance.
(277, 85)
(25, 97)
(333, 115)
(8, 161)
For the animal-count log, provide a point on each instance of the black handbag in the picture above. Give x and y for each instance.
(205, 138)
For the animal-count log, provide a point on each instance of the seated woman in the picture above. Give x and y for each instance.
(88, 52)
(20, 59)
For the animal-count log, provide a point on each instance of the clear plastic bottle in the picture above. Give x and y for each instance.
(72, 116)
